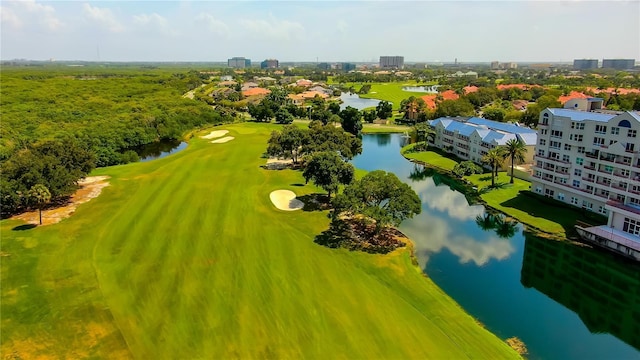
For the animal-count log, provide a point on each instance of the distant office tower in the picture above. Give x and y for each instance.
(495, 65)
(584, 64)
(324, 66)
(618, 64)
(392, 62)
(509, 65)
(349, 66)
(269, 64)
(239, 62)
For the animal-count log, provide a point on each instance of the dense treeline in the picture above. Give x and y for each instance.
(103, 111)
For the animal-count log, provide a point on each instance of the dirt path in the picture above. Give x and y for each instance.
(90, 188)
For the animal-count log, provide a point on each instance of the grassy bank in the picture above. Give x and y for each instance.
(546, 215)
(186, 257)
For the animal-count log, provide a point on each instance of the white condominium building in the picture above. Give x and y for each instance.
(590, 160)
(471, 138)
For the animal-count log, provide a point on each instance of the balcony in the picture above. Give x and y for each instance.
(619, 205)
(591, 180)
(589, 167)
(619, 187)
(591, 155)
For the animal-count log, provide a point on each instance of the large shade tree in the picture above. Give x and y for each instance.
(380, 196)
(328, 171)
(515, 150)
(288, 142)
(351, 120)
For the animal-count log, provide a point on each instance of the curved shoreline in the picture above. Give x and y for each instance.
(528, 227)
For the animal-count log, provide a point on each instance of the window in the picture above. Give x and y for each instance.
(587, 205)
(561, 181)
(576, 183)
(566, 158)
(577, 125)
(541, 153)
(556, 133)
(577, 172)
(574, 200)
(544, 131)
(602, 210)
(543, 142)
(598, 141)
(615, 130)
(579, 161)
(548, 192)
(561, 196)
(624, 173)
(601, 129)
(575, 137)
(581, 149)
(539, 189)
(629, 147)
(631, 226)
(608, 168)
(567, 147)
(631, 133)
(554, 145)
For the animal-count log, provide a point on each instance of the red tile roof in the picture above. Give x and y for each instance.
(573, 95)
(470, 89)
(517, 86)
(256, 91)
(430, 99)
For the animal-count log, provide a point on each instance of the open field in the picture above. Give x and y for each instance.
(389, 91)
(186, 257)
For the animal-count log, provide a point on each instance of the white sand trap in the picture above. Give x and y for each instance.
(215, 134)
(222, 140)
(285, 200)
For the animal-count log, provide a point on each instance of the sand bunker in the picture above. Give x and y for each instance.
(215, 134)
(222, 140)
(285, 200)
(90, 188)
(278, 164)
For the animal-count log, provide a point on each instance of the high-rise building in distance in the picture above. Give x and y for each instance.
(584, 64)
(391, 62)
(270, 64)
(239, 62)
(618, 64)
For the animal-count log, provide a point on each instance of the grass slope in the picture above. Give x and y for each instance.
(185, 257)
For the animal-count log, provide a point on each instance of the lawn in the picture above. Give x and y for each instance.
(430, 157)
(389, 91)
(186, 257)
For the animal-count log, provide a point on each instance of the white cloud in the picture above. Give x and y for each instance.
(44, 15)
(103, 16)
(10, 18)
(273, 29)
(213, 25)
(146, 19)
(446, 200)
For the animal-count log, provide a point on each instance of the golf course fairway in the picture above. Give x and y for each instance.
(186, 257)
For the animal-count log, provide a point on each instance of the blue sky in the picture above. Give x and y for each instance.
(471, 31)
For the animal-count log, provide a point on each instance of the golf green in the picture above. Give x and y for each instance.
(186, 257)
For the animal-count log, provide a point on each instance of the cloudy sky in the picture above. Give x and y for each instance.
(326, 30)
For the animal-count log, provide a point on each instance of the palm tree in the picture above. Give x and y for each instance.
(486, 221)
(39, 195)
(514, 149)
(493, 158)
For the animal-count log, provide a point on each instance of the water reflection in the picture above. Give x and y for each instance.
(383, 139)
(503, 227)
(604, 291)
(355, 101)
(159, 149)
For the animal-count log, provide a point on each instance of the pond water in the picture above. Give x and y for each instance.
(561, 300)
(159, 149)
(355, 101)
(433, 89)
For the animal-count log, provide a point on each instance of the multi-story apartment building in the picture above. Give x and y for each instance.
(618, 64)
(392, 62)
(471, 138)
(270, 64)
(239, 62)
(590, 160)
(584, 64)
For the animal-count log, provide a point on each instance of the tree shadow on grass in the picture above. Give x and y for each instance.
(297, 184)
(485, 178)
(315, 202)
(24, 227)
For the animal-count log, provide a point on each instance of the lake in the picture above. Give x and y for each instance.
(159, 149)
(563, 301)
(355, 101)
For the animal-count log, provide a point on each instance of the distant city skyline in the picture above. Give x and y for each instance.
(325, 31)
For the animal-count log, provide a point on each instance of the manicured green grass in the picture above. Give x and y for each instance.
(431, 158)
(186, 257)
(378, 128)
(389, 91)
